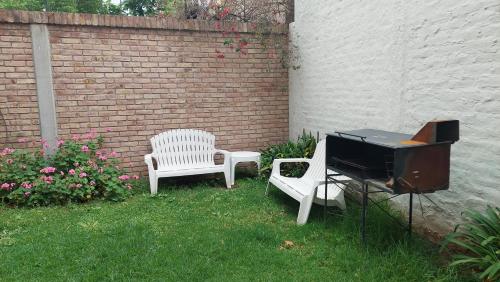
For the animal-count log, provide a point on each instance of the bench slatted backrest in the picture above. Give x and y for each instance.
(316, 169)
(184, 148)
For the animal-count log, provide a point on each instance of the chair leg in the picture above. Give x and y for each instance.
(305, 208)
(227, 175)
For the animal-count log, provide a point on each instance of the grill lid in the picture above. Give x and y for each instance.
(433, 132)
(378, 137)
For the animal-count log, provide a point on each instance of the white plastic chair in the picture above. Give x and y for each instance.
(183, 152)
(305, 189)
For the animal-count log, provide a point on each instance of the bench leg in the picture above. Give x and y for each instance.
(153, 185)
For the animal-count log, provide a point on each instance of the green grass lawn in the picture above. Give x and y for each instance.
(202, 232)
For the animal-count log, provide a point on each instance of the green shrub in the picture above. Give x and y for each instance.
(480, 239)
(303, 148)
(79, 170)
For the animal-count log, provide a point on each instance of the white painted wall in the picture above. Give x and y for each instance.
(394, 65)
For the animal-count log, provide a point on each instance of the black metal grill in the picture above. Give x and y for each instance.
(393, 162)
(400, 162)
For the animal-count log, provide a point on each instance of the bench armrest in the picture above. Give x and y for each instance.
(227, 155)
(224, 152)
(148, 159)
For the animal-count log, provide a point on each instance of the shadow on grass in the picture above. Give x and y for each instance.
(216, 180)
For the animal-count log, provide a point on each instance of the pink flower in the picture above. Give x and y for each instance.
(27, 194)
(22, 140)
(91, 135)
(85, 148)
(26, 185)
(103, 158)
(108, 129)
(75, 137)
(82, 175)
(7, 151)
(62, 173)
(48, 169)
(5, 186)
(92, 164)
(44, 142)
(113, 154)
(129, 187)
(10, 161)
(47, 179)
(71, 171)
(60, 143)
(124, 177)
(135, 177)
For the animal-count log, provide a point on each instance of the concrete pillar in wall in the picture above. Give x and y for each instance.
(44, 87)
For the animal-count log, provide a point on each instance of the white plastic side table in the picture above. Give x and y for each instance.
(243, 156)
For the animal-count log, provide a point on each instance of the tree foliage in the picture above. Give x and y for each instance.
(69, 6)
(30, 5)
(240, 10)
(88, 6)
(142, 7)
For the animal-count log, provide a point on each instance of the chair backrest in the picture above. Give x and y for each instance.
(316, 169)
(184, 148)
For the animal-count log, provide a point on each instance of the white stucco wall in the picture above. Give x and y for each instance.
(394, 65)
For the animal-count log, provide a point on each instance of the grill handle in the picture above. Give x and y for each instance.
(349, 134)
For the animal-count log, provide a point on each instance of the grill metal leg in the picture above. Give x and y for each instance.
(364, 208)
(326, 200)
(410, 214)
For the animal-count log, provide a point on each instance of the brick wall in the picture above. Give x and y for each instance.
(19, 109)
(393, 65)
(142, 76)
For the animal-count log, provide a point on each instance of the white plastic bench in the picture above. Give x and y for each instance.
(183, 152)
(308, 188)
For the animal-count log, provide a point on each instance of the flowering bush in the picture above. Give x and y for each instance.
(79, 170)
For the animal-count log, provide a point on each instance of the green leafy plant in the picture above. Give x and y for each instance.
(303, 148)
(79, 170)
(479, 238)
